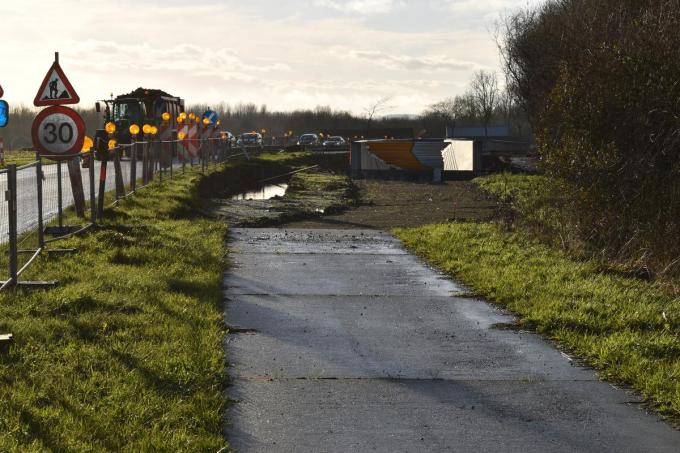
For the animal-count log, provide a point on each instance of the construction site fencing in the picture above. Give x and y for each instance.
(43, 196)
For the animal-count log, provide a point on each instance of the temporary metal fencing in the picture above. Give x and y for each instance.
(42, 196)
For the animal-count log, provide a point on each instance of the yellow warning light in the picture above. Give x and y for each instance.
(181, 135)
(183, 115)
(146, 128)
(321, 134)
(192, 115)
(264, 131)
(165, 116)
(219, 122)
(134, 130)
(180, 119)
(206, 121)
(110, 128)
(87, 144)
(112, 144)
(154, 130)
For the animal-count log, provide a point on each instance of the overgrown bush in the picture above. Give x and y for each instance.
(601, 80)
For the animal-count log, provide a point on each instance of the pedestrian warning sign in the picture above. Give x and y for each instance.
(56, 89)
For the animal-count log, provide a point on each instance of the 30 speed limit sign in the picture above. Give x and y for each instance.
(58, 133)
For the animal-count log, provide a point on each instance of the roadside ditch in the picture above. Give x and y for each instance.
(272, 189)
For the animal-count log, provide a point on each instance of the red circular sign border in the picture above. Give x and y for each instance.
(80, 125)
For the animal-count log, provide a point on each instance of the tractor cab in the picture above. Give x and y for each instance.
(140, 107)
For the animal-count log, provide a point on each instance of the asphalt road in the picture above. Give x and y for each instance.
(342, 341)
(27, 201)
(27, 194)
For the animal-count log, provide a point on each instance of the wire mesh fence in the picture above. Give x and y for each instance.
(43, 196)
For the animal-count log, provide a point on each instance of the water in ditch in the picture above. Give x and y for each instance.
(265, 193)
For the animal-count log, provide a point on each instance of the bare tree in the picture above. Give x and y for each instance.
(445, 109)
(486, 95)
(373, 109)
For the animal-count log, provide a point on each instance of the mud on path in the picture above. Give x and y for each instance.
(325, 197)
(384, 205)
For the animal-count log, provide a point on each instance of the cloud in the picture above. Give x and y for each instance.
(287, 55)
(363, 7)
(483, 9)
(408, 63)
(189, 59)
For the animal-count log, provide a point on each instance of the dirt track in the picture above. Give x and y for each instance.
(390, 204)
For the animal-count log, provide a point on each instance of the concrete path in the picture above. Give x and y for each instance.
(344, 342)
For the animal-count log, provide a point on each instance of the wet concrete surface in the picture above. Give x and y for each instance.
(342, 341)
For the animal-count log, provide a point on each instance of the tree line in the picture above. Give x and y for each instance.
(483, 105)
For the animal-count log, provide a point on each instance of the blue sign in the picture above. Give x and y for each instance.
(4, 113)
(212, 116)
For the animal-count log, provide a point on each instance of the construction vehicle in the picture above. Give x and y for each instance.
(140, 107)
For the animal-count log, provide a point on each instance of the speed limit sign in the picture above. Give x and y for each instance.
(58, 133)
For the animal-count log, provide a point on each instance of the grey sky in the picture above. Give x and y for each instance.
(292, 54)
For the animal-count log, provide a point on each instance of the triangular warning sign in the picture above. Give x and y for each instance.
(56, 89)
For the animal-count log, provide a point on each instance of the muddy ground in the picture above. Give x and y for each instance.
(391, 204)
(324, 197)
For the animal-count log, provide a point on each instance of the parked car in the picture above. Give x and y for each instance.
(335, 140)
(230, 137)
(308, 140)
(250, 139)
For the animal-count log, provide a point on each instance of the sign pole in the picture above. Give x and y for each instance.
(102, 189)
(59, 196)
(77, 188)
(133, 166)
(93, 206)
(12, 211)
(39, 182)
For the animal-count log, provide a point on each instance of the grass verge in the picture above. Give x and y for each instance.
(126, 354)
(21, 157)
(626, 328)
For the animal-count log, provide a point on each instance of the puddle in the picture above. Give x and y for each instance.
(265, 193)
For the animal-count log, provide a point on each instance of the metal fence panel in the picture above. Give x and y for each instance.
(43, 194)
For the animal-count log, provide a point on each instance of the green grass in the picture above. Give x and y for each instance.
(22, 157)
(532, 199)
(537, 204)
(126, 353)
(627, 328)
(513, 187)
(19, 158)
(312, 193)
